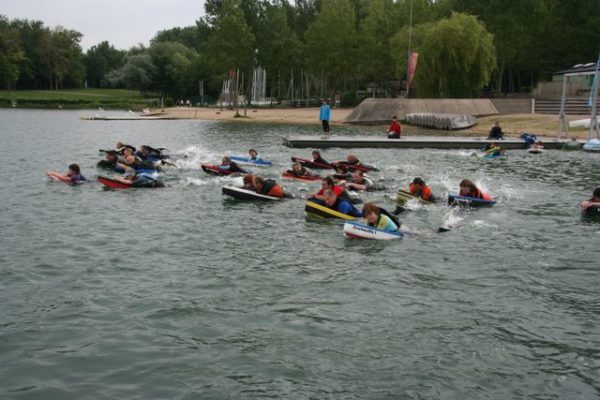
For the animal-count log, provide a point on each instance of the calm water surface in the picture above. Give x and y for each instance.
(181, 293)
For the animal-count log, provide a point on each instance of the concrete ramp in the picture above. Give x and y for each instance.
(381, 111)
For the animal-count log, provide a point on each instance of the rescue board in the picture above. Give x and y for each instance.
(249, 161)
(318, 210)
(303, 178)
(113, 183)
(463, 201)
(245, 194)
(311, 164)
(403, 196)
(354, 230)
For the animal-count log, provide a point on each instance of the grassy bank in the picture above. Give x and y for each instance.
(76, 99)
(538, 124)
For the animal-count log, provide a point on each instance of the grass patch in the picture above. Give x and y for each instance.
(76, 98)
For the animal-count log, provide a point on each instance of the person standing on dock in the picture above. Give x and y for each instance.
(325, 115)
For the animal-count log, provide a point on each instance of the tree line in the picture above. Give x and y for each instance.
(318, 48)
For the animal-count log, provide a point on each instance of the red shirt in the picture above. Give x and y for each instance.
(338, 190)
(395, 127)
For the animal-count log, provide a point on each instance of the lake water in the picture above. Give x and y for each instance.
(181, 293)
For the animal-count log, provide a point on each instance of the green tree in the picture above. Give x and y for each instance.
(278, 48)
(456, 56)
(173, 61)
(378, 27)
(231, 44)
(522, 30)
(332, 45)
(32, 70)
(62, 57)
(101, 59)
(10, 54)
(188, 36)
(137, 73)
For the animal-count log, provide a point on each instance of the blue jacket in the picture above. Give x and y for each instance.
(325, 114)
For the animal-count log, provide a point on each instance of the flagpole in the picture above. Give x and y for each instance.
(594, 103)
(409, 48)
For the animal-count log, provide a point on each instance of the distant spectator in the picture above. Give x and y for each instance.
(395, 129)
(325, 115)
(496, 132)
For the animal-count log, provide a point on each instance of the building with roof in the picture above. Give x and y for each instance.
(579, 84)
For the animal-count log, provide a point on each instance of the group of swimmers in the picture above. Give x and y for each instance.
(128, 160)
(332, 194)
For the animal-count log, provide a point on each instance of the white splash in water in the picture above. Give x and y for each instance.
(452, 219)
(194, 156)
(189, 181)
(482, 223)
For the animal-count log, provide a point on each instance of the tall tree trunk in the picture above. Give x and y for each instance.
(500, 77)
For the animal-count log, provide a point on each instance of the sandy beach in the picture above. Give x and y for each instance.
(293, 116)
(512, 125)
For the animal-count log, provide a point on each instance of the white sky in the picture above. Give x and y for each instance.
(124, 23)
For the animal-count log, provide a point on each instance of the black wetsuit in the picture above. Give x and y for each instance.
(233, 167)
(145, 181)
(320, 160)
(302, 172)
(140, 164)
(495, 133)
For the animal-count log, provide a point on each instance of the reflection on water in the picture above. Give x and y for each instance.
(185, 293)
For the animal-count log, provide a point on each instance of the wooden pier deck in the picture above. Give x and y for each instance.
(408, 142)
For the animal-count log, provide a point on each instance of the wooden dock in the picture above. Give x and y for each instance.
(408, 142)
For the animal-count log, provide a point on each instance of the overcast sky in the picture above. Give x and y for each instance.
(124, 23)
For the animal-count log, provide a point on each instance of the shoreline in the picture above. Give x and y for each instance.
(513, 125)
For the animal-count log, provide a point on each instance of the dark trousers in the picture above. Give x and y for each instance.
(325, 125)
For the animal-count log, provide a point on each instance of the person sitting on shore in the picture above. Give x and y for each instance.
(267, 187)
(395, 129)
(340, 204)
(593, 201)
(231, 166)
(358, 182)
(73, 176)
(316, 155)
(379, 218)
(468, 189)
(299, 170)
(496, 132)
(419, 189)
